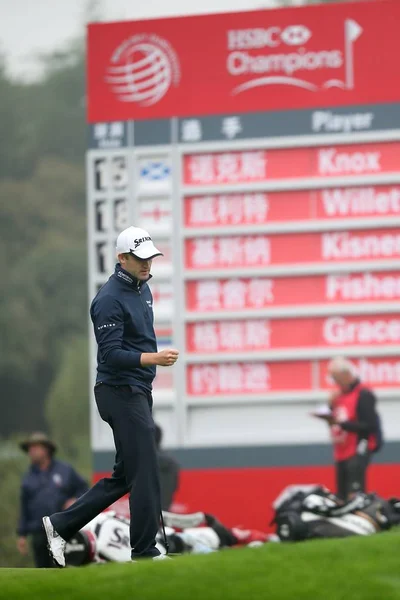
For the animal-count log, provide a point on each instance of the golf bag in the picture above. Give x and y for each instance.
(81, 549)
(106, 538)
(200, 533)
(309, 512)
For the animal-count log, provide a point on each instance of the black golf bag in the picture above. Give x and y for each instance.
(309, 512)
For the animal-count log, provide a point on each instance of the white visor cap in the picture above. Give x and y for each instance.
(138, 242)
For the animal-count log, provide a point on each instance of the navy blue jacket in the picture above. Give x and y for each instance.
(45, 492)
(122, 316)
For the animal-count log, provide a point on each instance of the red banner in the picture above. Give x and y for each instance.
(263, 292)
(263, 250)
(247, 61)
(260, 335)
(382, 372)
(264, 165)
(256, 208)
(247, 378)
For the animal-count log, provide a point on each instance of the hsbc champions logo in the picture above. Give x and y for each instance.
(280, 56)
(142, 69)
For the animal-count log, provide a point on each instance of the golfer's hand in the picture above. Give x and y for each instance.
(167, 358)
(22, 545)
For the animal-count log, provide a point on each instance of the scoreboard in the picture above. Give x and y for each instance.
(278, 212)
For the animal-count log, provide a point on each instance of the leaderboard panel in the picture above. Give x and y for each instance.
(291, 255)
(279, 252)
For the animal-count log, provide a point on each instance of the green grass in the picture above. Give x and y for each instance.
(349, 569)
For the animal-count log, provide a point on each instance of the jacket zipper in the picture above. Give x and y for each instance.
(146, 315)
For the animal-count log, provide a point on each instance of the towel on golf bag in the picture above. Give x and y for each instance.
(312, 511)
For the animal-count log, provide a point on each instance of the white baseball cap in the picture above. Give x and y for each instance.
(138, 242)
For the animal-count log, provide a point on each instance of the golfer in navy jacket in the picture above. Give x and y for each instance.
(122, 316)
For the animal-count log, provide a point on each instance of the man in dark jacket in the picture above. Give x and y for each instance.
(355, 428)
(48, 486)
(122, 316)
(169, 473)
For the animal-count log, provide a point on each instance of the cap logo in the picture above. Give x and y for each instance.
(139, 241)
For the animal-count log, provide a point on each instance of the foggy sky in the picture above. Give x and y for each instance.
(31, 27)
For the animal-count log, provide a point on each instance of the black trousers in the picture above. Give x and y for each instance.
(351, 475)
(128, 411)
(40, 552)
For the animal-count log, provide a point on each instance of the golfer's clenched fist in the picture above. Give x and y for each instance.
(165, 358)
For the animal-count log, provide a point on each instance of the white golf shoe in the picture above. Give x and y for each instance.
(55, 543)
(160, 557)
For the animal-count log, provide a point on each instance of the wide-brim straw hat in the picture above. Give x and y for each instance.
(38, 438)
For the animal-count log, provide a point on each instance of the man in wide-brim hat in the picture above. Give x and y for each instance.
(48, 485)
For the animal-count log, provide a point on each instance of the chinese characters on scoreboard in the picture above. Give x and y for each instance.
(248, 333)
(246, 378)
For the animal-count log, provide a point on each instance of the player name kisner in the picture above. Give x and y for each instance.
(345, 245)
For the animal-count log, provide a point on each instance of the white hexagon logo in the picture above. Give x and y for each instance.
(296, 35)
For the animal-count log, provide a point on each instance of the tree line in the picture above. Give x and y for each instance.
(43, 307)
